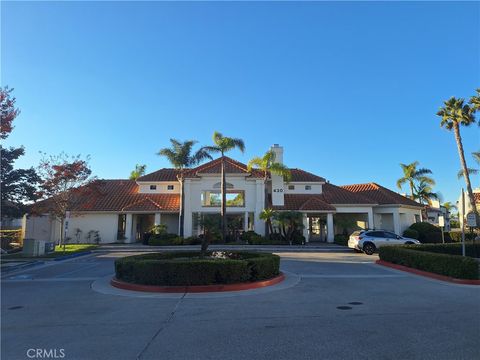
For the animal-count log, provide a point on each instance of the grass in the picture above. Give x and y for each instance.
(59, 251)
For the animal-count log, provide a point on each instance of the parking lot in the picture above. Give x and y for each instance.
(343, 306)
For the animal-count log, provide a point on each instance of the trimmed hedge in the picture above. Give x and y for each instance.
(471, 249)
(456, 236)
(186, 268)
(341, 239)
(444, 264)
(411, 233)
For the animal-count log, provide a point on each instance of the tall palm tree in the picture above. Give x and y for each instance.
(223, 144)
(475, 101)
(449, 206)
(412, 175)
(139, 171)
(471, 171)
(424, 193)
(181, 157)
(455, 113)
(268, 215)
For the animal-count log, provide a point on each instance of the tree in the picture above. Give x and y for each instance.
(475, 101)
(222, 145)
(471, 171)
(181, 157)
(268, 215)
(456, 113)
(424, 193)
(412, 175)
(289, 222)
(64, 179)
(17, 186)
(209, 223)
(139, 171)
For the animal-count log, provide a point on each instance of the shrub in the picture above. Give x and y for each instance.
(191, 240)
(411, 233)
(456, 236)
(341, 239)
(427, 233)
(247, 235)
(165, 240)
(186, 268)
(444, 264)
(471, 249)
(298, 238)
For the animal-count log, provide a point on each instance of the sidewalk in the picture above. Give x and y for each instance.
(274, 248)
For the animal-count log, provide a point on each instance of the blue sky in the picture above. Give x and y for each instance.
(349, 89)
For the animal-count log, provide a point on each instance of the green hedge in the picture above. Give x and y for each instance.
(341, 239)
(456, 236)
(186, 268)
(427, 233)
(471, 249)
(411, 233)
(444, 264)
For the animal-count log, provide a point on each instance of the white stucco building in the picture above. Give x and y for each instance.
(122, 210)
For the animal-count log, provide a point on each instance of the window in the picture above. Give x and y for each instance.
(214, 198)
(153, 187)
(308, 187)
(291, 187)
(378, 234)
(170, 187)
(122, 224)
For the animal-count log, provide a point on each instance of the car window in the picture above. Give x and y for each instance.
(378, 234)
(390, 235)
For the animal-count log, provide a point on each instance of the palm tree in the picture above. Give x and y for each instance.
(222, 145)
(475, 101)
(139, 171)
(471, 171)
(181, 158)
(268, 215)
(455, 113)
(411, 175)
(424, 193)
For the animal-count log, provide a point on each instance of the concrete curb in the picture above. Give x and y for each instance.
(71, 256)
(428, 274)
(103, 286)
(197, 288)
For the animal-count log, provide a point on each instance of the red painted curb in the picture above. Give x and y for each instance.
(428, 274)
(197, 288)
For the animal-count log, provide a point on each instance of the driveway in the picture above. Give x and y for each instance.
(343, 307)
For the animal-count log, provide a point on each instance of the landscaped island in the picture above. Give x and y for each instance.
(191, 269)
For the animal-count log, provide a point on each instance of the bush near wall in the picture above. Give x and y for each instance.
(411, 233)
(456, 236)
(186, 268)
(427, 233)
(471, 249)
(444, 264)
(341, 239)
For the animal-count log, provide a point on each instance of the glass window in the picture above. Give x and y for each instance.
(308, 187)
(170, 187)
(122, 225)
(214, 198)
(378, 234)
(153, 187)
(291, 187)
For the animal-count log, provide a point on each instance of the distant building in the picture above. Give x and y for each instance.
(468, 207)
(433, 213)
(123, 210)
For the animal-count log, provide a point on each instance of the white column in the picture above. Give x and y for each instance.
(371, 224)
(130, 237)
(305, 228)
(158, 219)
(330, 228)
(245, 221)
(187, 220)
(259, 224)
(396, 222)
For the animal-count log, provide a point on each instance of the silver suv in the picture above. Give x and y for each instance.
(369, 241)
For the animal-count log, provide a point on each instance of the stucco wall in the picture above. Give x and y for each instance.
(162, 187)
(171, 220)
(299, 188)
(105, 223)
(42, 228)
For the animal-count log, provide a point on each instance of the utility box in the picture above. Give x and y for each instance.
(33, 247)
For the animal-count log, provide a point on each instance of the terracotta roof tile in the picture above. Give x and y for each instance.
(304, 202)
(117, 195)
(380, 194)
(231, 167)
(338, 195)
(302, 175)
(161, 175)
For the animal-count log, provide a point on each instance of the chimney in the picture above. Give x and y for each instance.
(278, 150)
(277, 180)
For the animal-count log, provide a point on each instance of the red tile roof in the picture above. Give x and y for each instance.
(305, 202)
(161, 175)
(380, 194)
(231, 167)
(117, 195)
(302, 175)
(339, 195)
(476, 197)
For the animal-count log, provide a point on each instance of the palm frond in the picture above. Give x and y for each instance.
(471, 171)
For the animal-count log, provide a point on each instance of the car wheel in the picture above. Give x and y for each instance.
(369, 248)
(357, 251)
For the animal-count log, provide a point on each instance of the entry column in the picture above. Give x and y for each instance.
(330, 228)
